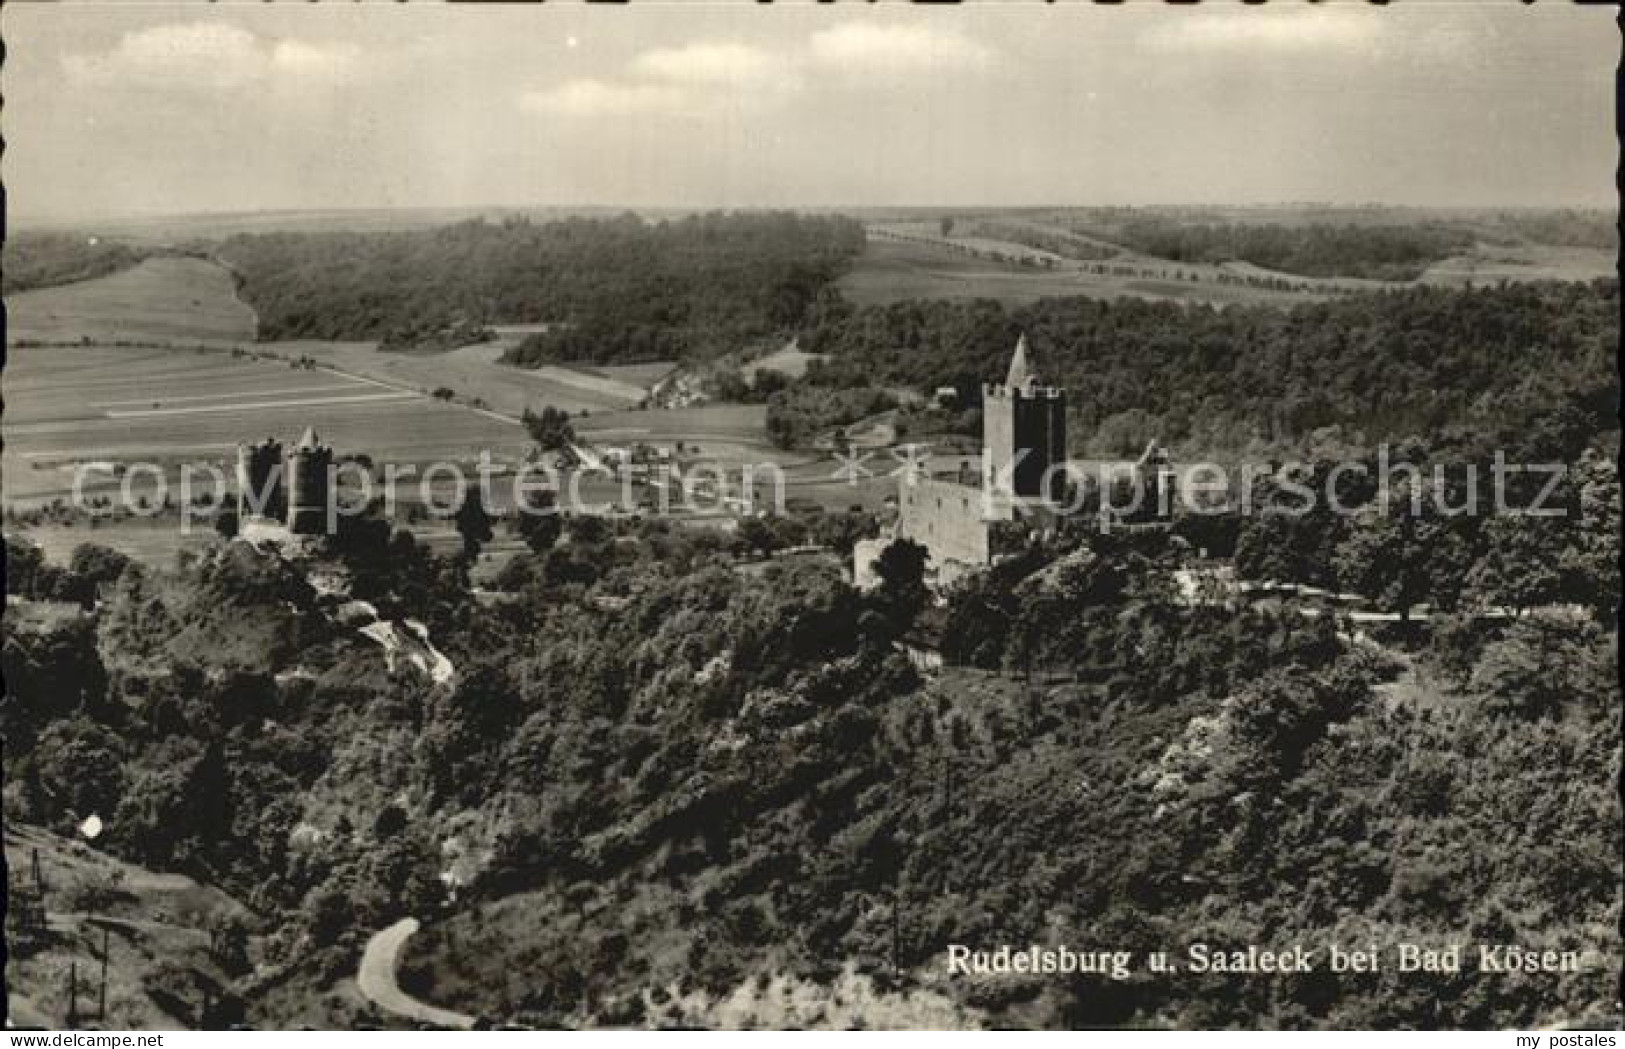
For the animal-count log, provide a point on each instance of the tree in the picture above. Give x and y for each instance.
(473, 524)
(588, 530)
(1543, 663)
(539, 527)
(228, 943)
(551, 430)
(1400, 560)
(946, 225)
(1590, 563)
(902, 592)
(841, 531)
(1282, 714)
(1518, 569)
(24, 565)
(80, 767)
(95, 567)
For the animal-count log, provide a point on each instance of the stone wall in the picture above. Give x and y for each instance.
(950, 520)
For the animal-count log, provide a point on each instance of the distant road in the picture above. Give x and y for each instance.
(376, 978)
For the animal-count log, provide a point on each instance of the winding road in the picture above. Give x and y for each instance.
(376, 979)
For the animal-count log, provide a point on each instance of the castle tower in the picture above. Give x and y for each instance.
(1154, 473)
(260, 491)
(1023, 430)
(309, 477)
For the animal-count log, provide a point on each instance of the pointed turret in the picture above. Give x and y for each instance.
(1021, 374)
(1154, 455)
(310, 493)
(1023, 429)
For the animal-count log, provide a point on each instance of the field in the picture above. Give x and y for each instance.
(1489, 263)
(789, 360)
(70, 404)
(964, 266)
(474, 373)
(173, 300)
(73, 405)
(724, 433)
(156, 542)
(640, 375)
(892, 271)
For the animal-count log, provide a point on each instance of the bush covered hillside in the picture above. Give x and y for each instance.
(665, 790)
(618, 290)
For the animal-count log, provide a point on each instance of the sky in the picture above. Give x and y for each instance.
(140, 108)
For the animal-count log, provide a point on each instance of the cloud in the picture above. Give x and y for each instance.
(301, 58)
(595, 98)
(742, 76)
(668, 81)
(860, 48)
(209, 56)
(1257, 30)
(720, 63)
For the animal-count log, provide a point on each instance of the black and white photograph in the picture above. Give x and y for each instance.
(666, 516)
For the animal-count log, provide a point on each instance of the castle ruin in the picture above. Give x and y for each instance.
(283, 496)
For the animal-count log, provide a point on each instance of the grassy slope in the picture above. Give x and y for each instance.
(163, 300)
(152, 919)
(893, 272)
(889, 271)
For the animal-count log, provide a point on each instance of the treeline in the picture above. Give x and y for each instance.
(1474, 368)
(1445, 535)
(89, 568)
(798, 415)
(1315, 250)
(43, 260)
(614, 290)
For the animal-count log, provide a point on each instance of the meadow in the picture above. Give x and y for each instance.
(69, 404)
(473, 374)
(892, 271)
(168, 299)
(789, 360)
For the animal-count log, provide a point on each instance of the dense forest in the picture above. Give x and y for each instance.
(653, 772)
(614, 290)
(43, 260)
(1313, 250)
(1478, 368)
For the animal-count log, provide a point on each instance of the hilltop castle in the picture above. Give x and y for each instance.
(963, 526)
(281, 496)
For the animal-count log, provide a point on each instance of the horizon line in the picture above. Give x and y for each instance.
(22, 218)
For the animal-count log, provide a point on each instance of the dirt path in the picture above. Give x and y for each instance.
(376, 979)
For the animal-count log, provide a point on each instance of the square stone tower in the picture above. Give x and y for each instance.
(1023, 431)
(309, 494)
